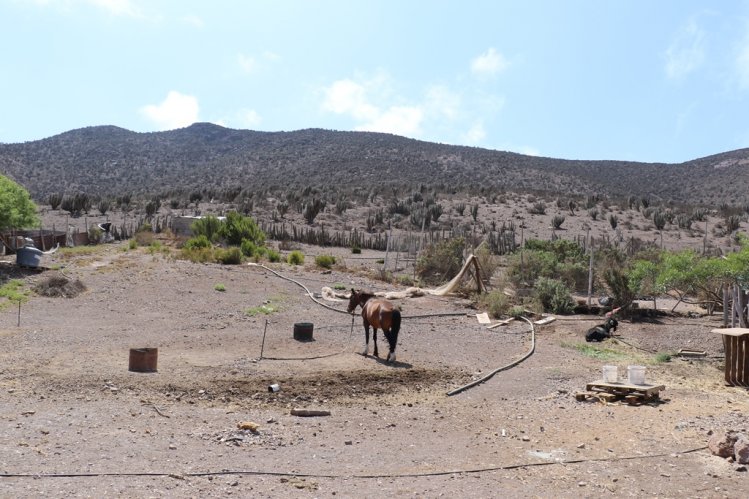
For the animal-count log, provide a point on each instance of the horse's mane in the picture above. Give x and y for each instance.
(366, 294)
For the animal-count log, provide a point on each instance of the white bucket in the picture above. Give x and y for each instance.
(636, 375)
(610, 374)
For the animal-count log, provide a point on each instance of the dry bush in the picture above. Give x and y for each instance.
(59, 286)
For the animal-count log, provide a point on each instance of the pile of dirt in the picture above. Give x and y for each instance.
(59, 286)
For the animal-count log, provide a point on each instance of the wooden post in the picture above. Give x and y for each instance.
(704, 241)
(590, 266)
(262, 345)
(19, 313)
(725, 306)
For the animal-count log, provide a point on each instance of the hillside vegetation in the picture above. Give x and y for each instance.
(111, 161)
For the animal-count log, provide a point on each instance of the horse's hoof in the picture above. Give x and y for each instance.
(365, 352)
(391, 357)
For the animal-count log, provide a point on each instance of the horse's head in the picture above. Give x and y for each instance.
(353, 301)
(612, 324)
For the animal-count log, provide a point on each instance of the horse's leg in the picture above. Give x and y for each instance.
(392, 334)
(374, 336)
(365, 352)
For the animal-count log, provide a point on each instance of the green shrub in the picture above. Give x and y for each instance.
(441, 262)
(219, 287)
(238, 228)
(296, 257)
(272, 255)
(554, 296)
(209, 226)
(132, 244)
(249, 248)
(325, 261)
(663, 357)
(516, 311)
(94, 234)
(198, 242)
(228, 256)
(496, 303)
(198, 255)
(356, 250)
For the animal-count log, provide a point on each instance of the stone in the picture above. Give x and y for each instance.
(741, 449)
(721, 444)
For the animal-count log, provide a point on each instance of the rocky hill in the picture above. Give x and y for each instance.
(107, 160)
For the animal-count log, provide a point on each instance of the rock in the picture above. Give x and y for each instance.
(741, 449)
(721, 444)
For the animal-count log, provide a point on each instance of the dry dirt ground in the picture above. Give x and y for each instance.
(76, 422)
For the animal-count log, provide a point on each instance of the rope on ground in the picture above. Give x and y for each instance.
(309, 293)
(503, 368)
(333, 476)
(312, 297)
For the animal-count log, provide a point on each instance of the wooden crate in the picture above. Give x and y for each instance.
(736, 345)
(625, 392)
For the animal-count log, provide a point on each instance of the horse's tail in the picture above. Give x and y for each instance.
(396, 326)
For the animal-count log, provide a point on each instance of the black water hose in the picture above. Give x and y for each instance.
(500, 369)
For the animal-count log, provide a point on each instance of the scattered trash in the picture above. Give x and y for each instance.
(684, 352)
(309, 413)
(275, 387)
(483, 318)
(248, 425)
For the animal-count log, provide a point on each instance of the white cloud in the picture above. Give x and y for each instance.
(176, 111)
(249, 118)
(443, 101)
(686, 52)
(400, 120)
(489, 63)
(529, 151)
(475, 135)
(348, 97)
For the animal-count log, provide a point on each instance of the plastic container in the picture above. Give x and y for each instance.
(303, 331)
(143, 360)
(636, 375)
(610, 374)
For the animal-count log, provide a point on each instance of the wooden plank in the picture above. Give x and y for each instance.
(483, 318)
(731, 331)
(624, 387)
(545, 320)
(501, 323)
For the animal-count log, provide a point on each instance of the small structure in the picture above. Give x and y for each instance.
(611, 392)
(29, 256)
(736, 345)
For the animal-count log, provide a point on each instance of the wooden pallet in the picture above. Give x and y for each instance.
(620, 392)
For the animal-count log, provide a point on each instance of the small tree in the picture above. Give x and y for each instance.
(17, 210)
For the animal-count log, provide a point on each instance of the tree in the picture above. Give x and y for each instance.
(17, 210)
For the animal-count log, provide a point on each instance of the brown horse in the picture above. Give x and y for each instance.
(380, 314)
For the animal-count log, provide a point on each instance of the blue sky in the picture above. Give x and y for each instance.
(642, 80)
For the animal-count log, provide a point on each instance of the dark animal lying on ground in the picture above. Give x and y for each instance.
(602, 331)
